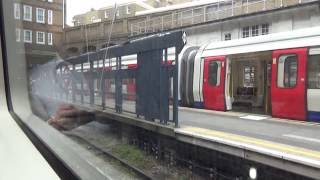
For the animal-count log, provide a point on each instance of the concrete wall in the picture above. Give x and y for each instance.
(281, 21)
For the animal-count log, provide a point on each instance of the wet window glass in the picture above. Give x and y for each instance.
(146, 89)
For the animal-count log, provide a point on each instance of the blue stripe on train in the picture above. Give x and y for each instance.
(314, 116)
(199, 105)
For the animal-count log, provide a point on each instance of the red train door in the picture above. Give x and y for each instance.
(288, 87)
(214, 83)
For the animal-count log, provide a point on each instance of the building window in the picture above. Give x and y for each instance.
(50, 16)
(214, 73)
(128, 10)
(227, 36)
(40, 13)
(287, 71)
(106, 14)
(16, 11)
(18, 33)
(27, 13)
(117, 12)
(245, 32)
(49, 38)
(255, 30)
(264, 29)
(314, 72)
(40, 37)
(27, 36)
(50, 0)
(249, 76)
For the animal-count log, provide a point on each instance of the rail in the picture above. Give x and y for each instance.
(210, 12)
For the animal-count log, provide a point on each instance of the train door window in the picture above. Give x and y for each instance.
(287, 71)
(314, 72)
(249, 76)
(214, 73)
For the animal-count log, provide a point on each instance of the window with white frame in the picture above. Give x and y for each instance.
(27, 36)
(128, 10)
(49, 38)
(265, 29)
(40, 37)
(27, 13)
(255, 30)
(16, 10)
(245, 32)
(40, 13)
(227, 36)
(18, 34)
(106, 14)
(50, 16)
(92, 18)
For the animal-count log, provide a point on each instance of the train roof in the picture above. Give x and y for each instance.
(297, 38)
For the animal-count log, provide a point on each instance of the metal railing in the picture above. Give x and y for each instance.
(206, 13)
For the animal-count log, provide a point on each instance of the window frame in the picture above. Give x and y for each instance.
(51, 38)
(62, 154)
(18, 34)
(38, 13)
(277, 76)
(225, 36)
(24, 36)
(243, 31)
(128, 10)
(25, 18)
(117, 12)
(50, 16)
(37, 37)
(255, 30)
(106, 14)
(17, 11)
(265, 29)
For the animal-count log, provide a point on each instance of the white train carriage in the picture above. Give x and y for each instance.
(277, 74)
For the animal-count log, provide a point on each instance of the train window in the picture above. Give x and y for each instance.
(287, 71)
(314, 72)
(214, 73)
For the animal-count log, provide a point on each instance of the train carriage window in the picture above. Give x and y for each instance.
(287, 71)
(214, 73)
(314, 72)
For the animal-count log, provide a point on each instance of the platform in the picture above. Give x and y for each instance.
(286, 144)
